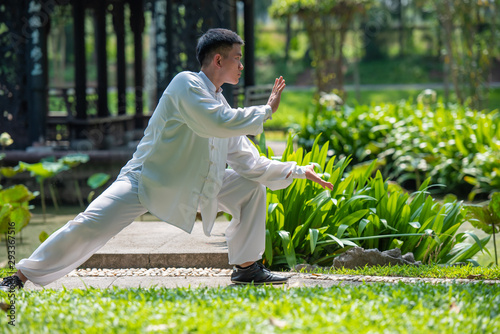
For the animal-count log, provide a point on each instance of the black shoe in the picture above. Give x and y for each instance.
(10, 283)
(256, 274)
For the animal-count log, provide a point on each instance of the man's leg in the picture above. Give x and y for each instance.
(75, 242)
(245, 200)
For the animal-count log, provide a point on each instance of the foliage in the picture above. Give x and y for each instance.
(407, 308)
(14, 207)
(326, 23)
(487, 218)
(308, 224)
(95, 181)
(483, 172)
(423, 271)
(46, 169)
(452, 145)
(468, 53)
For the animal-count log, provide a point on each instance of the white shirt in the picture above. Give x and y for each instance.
(190, 137)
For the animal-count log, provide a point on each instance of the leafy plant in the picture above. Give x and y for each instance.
(454, 146)
(14, 208)
(306, 223)
(42, 171)
(48, 168)
(487, 218)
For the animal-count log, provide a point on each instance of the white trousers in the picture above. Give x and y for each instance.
(119, 205)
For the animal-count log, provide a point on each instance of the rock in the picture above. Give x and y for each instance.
(358, 257)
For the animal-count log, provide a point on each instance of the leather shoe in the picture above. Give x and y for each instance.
(256, 274)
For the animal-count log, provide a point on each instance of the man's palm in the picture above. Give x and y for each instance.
(311, 175)
(275, 97)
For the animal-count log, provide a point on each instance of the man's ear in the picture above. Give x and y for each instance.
(217, 60)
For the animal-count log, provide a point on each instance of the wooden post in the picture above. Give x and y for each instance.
(163, 46)
(80, 61)
(249, 56)
(137, 25)
(37, 72)
(102, 71)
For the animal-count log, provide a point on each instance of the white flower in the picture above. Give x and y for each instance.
(330, 101)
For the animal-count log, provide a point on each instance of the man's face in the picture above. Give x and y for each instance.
(231, 65)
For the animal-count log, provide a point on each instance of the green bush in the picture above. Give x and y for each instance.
(454, 146)
(306, 223)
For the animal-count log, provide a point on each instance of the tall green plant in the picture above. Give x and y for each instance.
(306, 223)
(487, 218)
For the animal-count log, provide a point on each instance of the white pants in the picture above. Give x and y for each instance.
(119, 205)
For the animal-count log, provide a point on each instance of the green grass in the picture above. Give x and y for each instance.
(423, 271)
(366, 308)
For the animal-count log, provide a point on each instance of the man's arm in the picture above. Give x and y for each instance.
(209, 117)
(244, 158)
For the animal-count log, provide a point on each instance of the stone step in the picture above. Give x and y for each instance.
(158, 244)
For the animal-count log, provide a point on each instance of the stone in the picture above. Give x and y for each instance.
(358, 257)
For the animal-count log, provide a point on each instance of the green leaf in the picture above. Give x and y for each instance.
(74, 159)
(415, 225)
(44, 170)
(97, 180)
(16, 194)
(43, 236)
(288, 248)
(313, 238)
(495, 206)
(268, 253)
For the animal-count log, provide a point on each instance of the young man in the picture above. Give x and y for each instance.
(179, 168)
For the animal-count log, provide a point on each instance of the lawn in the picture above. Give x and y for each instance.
(365, 308)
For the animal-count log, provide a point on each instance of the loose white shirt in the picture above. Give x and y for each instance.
(190, 137)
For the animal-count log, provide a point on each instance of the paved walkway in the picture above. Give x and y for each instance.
(165, 256)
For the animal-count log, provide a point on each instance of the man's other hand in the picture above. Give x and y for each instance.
(275, 97)
(311, 175)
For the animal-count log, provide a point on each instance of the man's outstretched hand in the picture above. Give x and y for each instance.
(275, 97)
(311, 175)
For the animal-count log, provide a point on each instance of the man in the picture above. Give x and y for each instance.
(179, 168)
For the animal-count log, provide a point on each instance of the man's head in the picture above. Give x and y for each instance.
(219, 54)
(216, 41)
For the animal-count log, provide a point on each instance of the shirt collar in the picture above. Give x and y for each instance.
(210, 84)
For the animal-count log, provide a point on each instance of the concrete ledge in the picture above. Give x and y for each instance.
(178, 260)
(160, 245)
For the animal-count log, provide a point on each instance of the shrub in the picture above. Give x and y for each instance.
(306, 223)
(454, 146)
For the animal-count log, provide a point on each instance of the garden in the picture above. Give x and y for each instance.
(414, 168)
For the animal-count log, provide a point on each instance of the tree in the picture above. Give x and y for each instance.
(326, 23)
(468, 31)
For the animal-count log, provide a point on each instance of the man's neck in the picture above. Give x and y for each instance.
(212, 76)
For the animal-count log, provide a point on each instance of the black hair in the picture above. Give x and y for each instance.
(216, 41)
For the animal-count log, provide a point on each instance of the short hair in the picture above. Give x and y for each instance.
(215, 41)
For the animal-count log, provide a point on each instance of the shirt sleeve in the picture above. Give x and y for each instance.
(245, 159)
(209, 117)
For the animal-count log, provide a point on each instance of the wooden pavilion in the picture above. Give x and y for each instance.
(85, 121)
